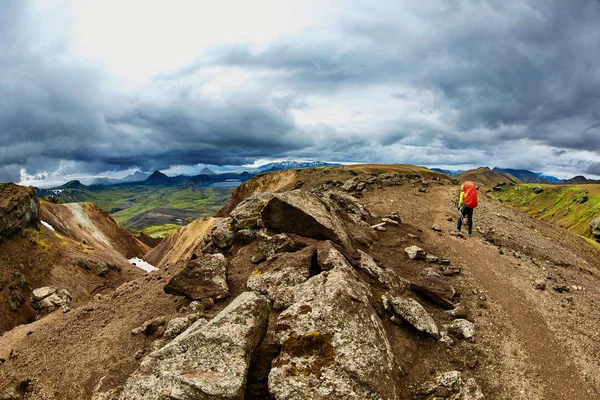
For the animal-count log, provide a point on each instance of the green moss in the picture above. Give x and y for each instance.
(314, 345)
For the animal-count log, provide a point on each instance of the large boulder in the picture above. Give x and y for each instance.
(595, 225)
(304, 214)
(333, 344)
(19, 208)
(203, 278)
(276, 278)
(208, 360)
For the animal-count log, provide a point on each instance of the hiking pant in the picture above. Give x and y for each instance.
(466, 213)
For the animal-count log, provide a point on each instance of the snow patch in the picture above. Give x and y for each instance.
(138, 262)
(47, 225)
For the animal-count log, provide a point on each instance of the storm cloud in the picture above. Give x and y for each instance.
(512, 84)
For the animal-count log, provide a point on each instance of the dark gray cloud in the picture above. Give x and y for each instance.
(423, 82)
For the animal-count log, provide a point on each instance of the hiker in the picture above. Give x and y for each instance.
(466, 204)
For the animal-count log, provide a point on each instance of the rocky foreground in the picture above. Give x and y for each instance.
(311, 321)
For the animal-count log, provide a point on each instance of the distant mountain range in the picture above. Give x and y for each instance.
(527, 176)
(282, 165)
(449, 172)
(139, 176)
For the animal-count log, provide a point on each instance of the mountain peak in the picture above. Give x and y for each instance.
(206, 171)
(74, 184)
(157, 177)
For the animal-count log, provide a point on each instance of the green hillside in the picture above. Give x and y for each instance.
(570, 206)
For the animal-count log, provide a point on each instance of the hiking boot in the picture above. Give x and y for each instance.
(470, 234)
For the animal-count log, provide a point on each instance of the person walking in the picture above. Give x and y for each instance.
(466, 203)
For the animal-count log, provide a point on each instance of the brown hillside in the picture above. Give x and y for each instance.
(310, 178)
(86, 254)
(486, 177)
(87, 223)
(180, 244)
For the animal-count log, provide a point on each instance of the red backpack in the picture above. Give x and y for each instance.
(470, 198)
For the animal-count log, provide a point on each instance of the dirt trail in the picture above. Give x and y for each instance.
(552, 373)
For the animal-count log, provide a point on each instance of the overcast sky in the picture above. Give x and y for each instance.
(104, 88)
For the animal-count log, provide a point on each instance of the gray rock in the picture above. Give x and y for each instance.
(595, 226)
(348, 204)
(329, 256)
(436, 228)
(304, 214)
(281, 274)
(203, 278)
(350, 184)
(415, 253)
(208, 360)
(48, 298)
(462, 329)
(454, 386)
(247, 214)
(271, 245)
(412, 312)
(333, 344)
(222, 234)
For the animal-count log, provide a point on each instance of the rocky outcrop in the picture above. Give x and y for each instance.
(595, 226)
(19, 208)
(48, 298)
(208, 360)
(333, 344)
(203, 278)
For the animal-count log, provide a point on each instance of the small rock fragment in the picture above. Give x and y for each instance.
(415, 253)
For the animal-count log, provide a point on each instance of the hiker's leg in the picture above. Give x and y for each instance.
(470, 224)
(461, 217)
